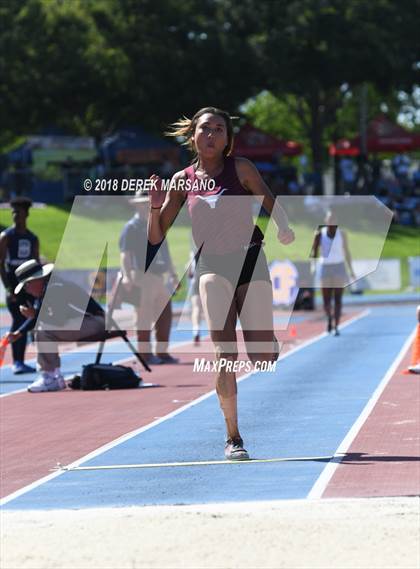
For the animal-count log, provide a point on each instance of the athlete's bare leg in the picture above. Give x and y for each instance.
(326, 297)
(162, 330)
(338, 296)
(254, 302)
(144, 346)
(196, 311)
(216, 294)
(226, 389)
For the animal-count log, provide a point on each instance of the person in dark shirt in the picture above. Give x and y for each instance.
(17, 245)
(61, 311)
(136, 258)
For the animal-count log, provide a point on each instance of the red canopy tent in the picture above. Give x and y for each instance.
(253, 143)
(383, 135)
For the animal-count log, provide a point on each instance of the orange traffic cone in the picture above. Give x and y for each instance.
(4, 342)
(415, 354)
(292, 332)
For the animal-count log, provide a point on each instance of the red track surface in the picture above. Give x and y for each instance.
(390, 443)
(39, 430)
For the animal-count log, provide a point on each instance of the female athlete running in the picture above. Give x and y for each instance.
(224, 232)
(331, 243)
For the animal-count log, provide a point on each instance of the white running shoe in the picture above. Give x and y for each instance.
(47, 382)
(60, 378)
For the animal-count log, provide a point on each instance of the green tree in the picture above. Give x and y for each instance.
(182, 55)
(91, 66)
(278, 117)
(315, 53)
(53, 64)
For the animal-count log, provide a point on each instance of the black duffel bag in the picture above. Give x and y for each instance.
(106, 376)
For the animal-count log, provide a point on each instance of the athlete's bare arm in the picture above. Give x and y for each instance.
(126, 268)
(347, 253)
(252, 181)
(315, 246)
(160, 220)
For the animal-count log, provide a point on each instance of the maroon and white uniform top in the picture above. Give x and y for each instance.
(222, 217)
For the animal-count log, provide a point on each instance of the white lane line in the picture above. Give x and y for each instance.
(193, 463)
(75, 350)
(2, 395)
(130, 435)
(79, 350)
(64, 355)
(67, 377)
(104, 448)
(326, 475)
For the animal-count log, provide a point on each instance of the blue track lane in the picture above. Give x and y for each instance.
(305, 409)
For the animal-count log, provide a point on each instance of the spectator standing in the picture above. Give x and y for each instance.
(17, 245)
(149, 281)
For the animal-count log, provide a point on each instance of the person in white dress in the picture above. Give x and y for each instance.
(331, 248)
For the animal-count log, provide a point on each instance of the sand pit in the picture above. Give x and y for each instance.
(371, 533)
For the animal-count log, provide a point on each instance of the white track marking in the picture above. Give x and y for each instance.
(320, 485)
(67, 377)
(174, 345)
(88, 350)
(192, 463)
(136, 432)
(13, 392)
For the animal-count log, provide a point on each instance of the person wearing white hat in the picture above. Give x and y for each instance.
(153, 310)
(62, 311)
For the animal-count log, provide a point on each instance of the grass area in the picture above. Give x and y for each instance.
(88, 230)
(47, 223)
(401, 243)
(85, 232)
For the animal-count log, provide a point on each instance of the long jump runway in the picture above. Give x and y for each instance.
(338, 409)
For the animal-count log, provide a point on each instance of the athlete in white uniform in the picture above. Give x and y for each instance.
(331, 244)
